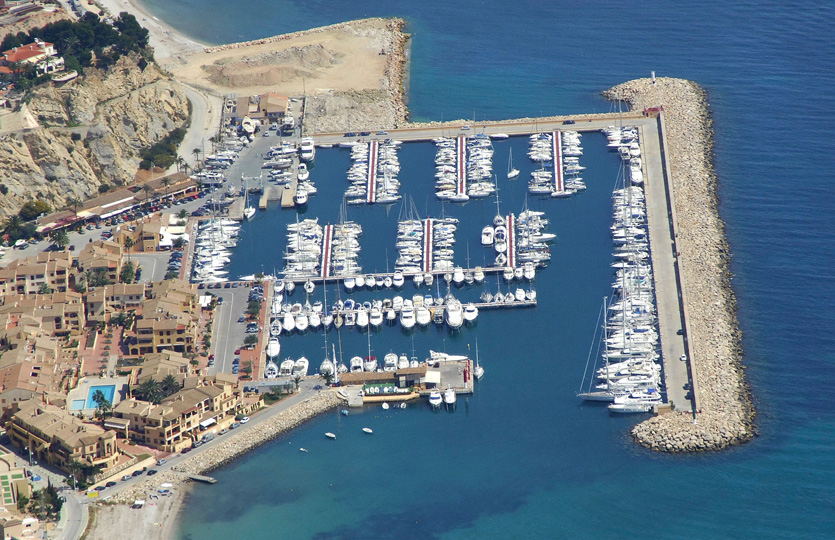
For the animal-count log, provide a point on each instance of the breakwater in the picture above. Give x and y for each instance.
(235, 444)
(725, 415)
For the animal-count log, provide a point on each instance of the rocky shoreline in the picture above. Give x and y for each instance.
(726, 413)
(235, 445)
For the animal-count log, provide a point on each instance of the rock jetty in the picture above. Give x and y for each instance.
(235, 444)
(726, 414)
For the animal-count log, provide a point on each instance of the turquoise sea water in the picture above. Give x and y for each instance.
(521, 458)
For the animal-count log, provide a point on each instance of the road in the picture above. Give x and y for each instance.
(228, 332)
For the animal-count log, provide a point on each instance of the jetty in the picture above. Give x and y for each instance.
(559, 181)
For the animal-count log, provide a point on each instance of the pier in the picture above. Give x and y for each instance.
(427, 244)
(461, 167)
(288, 193)
(327, 242)
(559, 181)
(371, 186)
(270, 193)
(511, 240)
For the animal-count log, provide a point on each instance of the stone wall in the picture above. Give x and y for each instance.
(726, 415)
(235, 444)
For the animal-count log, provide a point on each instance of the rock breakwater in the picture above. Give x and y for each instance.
(726, 415)
(235, 444)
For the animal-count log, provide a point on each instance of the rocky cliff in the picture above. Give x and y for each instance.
(91, 131)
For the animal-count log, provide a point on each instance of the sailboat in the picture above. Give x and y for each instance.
(478, 371)
(511, 172)
(249, 211)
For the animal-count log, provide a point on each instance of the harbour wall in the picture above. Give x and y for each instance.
(236, 444)
(724, 415)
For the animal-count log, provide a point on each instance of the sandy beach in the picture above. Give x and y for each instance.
(169, 45)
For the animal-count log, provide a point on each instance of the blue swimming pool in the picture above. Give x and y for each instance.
(108, 392)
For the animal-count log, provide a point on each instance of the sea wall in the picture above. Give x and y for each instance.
(235, 444)
(726, 415)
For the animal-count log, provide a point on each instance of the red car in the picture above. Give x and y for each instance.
(211, 357)
(237, 351)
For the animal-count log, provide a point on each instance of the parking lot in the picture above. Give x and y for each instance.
(228, 334)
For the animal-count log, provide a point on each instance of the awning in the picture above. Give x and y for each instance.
(206, 423)
(433, 377)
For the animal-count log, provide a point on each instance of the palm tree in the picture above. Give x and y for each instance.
(61, 239)
(147, 189)
(150, 390)
(297, 379)
(75, 203)
(129, 243)
(183, 215)
(13, 224)
(170, 385)
(196, 153)
(179, 162)
(70, 44)
(166, 182)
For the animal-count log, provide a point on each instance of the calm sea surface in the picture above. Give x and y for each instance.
(522, 458)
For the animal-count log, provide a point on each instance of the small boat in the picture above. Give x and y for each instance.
(367, 430)
(330, 435)
(385, 406)
(309, 287)
(449, 396)
(435, 398)
(249, 211)
(344, 412)
(487, 235)
(300, 367)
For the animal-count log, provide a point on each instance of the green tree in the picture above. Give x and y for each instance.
(61, 239)
(178, 243)
(166, 182)
(33, 209)
(250, 339)
(104, 408)
(169, 385)
(297, 380)
(328, 376)
(44, 289)
(183, 215)
(128, 274)
(97, 279)
(22, 503)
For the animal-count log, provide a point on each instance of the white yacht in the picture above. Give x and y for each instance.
(487, 236)
(273, 347)
(470, 312)
(449, 396)
(390, 362)
(356, 364)
(423, 316)
(326, 367)
(435, 398)
(375, 317)
(300, 367)
(362, 318)
(454, 313)
(370, 363)
(271, 371)
(407, 317)
(286, 368)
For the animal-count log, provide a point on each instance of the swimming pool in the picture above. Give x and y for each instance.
(108, 391)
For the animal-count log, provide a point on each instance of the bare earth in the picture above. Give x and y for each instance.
(340, 57)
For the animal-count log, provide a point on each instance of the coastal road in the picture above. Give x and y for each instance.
(205, 120)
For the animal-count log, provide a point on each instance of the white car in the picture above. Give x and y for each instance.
(244, 420)
(683, 358)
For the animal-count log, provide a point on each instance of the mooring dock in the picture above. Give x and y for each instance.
(371, 185)
(559, 180)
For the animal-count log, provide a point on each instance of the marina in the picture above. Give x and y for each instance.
(328, 254)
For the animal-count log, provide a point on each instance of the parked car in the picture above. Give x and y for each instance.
(245, 419)
(137, 472)
(152, 472)
(237, 351)
(126, 477)
(569, 122)
(365, 133)
(350, 134)
(161, 461)
(110, 484)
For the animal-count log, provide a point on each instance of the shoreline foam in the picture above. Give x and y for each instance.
(726, 414)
